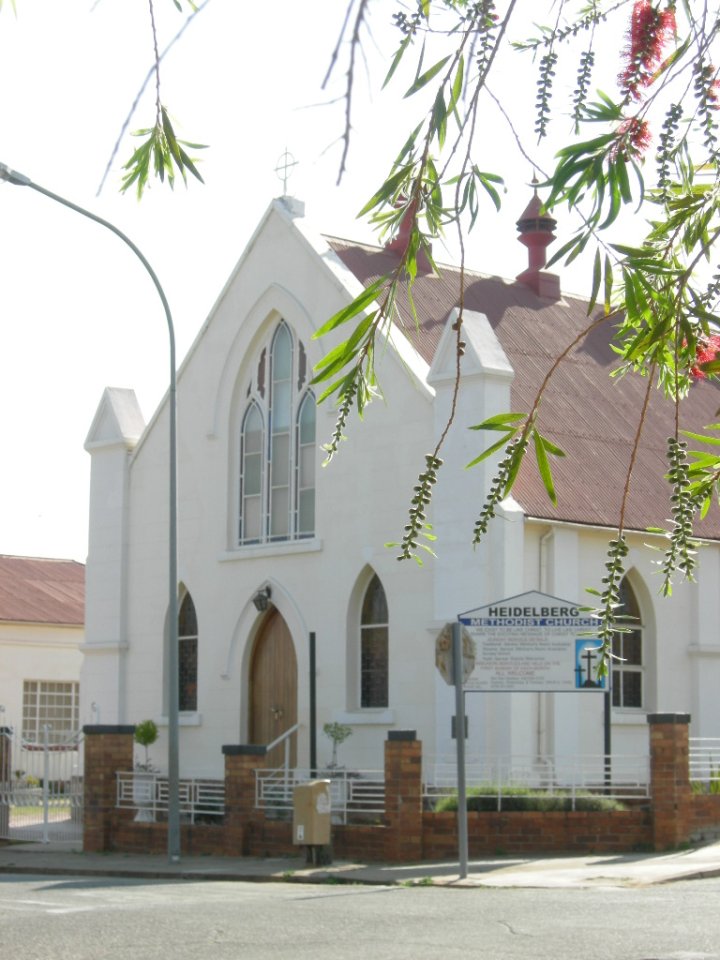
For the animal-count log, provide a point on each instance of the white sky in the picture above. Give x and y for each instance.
(77, 311)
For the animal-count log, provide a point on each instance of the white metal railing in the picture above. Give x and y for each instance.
(149, 792)
(704, 764)
(356, 794)
(617, 777)
(285, 739)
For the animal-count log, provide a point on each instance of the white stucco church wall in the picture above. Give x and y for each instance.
(320, 579)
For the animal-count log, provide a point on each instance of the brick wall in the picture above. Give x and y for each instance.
(107, 750)
(407, 833)
(493, 834)
(403, 797)
(670, 779)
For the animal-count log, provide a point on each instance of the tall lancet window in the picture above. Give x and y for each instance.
(374, 646)
(277, 445)
(628, 666)
(187, 655)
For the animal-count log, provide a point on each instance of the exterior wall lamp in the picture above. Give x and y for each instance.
(262, 599)
(20, 180)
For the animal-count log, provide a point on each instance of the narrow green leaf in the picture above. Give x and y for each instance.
(499, 445)
(397, 58)
(500, 421)
(544, 467)
(352, 309)
(457, 86)
(426, 77)
(597, 277)
(608, 283)
(388, 189)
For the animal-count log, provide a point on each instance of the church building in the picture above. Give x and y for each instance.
(274, 547)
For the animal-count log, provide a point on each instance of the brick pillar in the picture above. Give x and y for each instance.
(241, 761)
(107, 750)
(5, 778)
(669, 778)
(403, 797)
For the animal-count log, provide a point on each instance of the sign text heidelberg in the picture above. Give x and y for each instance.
(533, 642)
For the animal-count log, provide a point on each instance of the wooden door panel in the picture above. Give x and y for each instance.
(273, 687)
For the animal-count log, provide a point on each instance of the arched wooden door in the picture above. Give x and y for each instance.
(273, 687)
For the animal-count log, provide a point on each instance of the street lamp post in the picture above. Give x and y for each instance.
(19, 179)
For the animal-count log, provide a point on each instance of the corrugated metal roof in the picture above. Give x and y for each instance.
(592, 417)
(37, 590)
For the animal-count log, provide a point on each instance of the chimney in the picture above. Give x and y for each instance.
(536, 233)
(400, 241)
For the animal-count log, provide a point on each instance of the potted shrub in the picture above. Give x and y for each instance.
(146, 733)
(338, 733)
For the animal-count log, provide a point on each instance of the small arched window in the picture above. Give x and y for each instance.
(628, 665)
(374, 646)
(187, 655)
(251, 475)
(277, 446)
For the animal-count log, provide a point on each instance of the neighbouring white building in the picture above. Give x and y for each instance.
(42, 608)
(259, 515)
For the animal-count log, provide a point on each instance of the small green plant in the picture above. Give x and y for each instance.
(711, 785)
(338, 733)
(146, 733)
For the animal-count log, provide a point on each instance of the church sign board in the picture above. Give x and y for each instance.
(533, 642)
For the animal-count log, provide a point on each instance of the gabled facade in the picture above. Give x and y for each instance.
(263, 524)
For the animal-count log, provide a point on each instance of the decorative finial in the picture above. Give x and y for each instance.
(285, 164)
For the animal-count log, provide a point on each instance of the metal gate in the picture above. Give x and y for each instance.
(41, 787)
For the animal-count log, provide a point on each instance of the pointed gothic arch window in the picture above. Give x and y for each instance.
(628, 667)
(277, 445)
(374, 646)
(187, 655)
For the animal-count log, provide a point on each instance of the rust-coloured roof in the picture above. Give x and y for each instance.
(591, 417)
(36, 590)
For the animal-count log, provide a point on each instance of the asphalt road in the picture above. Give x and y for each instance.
(44, 918)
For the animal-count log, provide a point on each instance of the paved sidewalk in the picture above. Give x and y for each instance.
(620, 870)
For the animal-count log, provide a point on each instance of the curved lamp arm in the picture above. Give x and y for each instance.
(20, 180)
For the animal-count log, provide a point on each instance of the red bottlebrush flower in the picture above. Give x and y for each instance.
(650, 29)
(706, 352)
(708, 82)
(633, 139)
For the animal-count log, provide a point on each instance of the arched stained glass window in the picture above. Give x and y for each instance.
(187, 655)
(277, 447)
(374, 646)
(305, 486)
(251, 475)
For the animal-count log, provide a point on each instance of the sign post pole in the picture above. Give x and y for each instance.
(460, 743)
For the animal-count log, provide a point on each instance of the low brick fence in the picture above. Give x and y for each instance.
(673, 817)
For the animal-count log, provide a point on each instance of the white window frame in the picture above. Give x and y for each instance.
(621, 668)
(35, 715)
